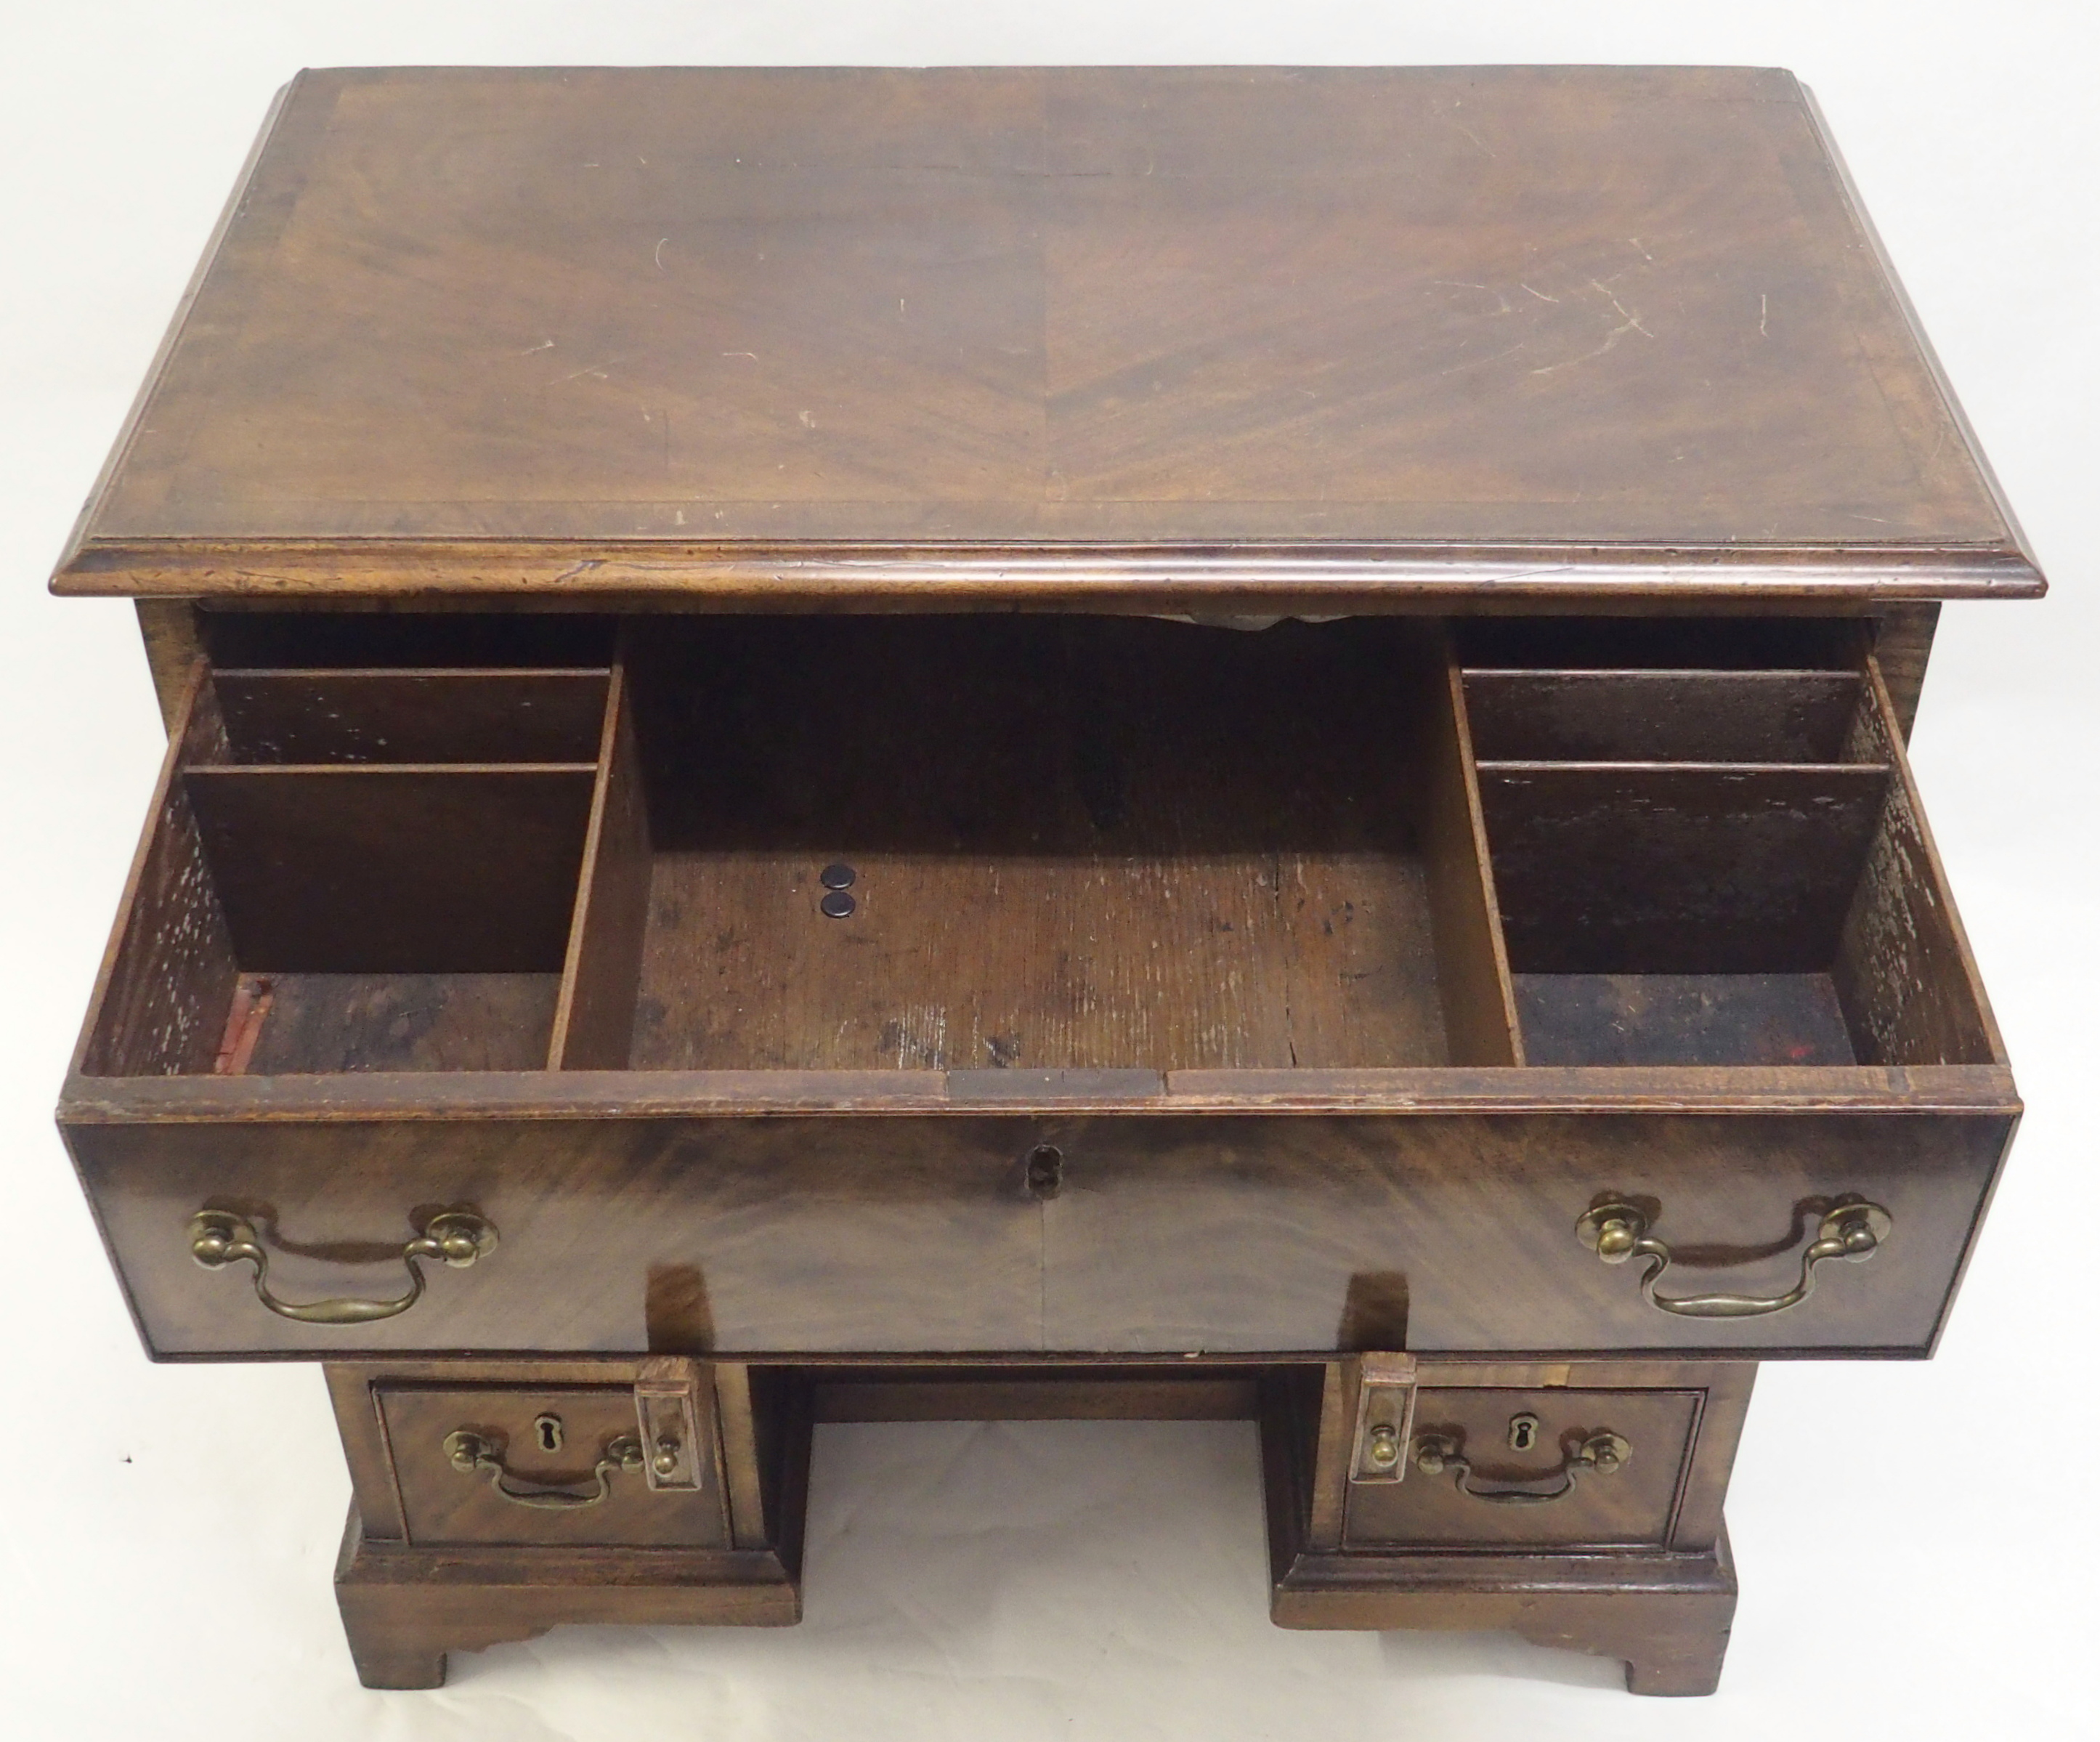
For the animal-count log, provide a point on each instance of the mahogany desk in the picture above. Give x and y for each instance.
(1190, 743)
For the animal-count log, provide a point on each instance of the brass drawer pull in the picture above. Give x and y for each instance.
(473, 1454)
(1602, 1454)
(457, 1237)
(1852, 1229)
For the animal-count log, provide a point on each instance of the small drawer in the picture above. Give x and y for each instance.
(570, 1467)
(1557, 1469)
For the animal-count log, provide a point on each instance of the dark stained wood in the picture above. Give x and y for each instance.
(1667, 1617)
(413, 1022)
(1106, 1394)
(167, 978)
(1480, 1020)
(1677, 868)
(361, 717)
(405, 1604)
(1634, 1506)
(1330, 1394)
(168, 629)
(1915, 1090)
(1661, 716)
(1903, 971)
(367, 633)
(442, 1505)
(1719, 634)
(1231, 1235)
(1076, 843)
(1724, 1403)
(749, 1431)
(850, 330)
(898, 1235)
(1664, 1609)
(403, 1609)
(1170, 1063)
(365, 1448)
(1682, 1019)
(1170, 1233)
(397, 868)
(601, 982)
(1903, 644)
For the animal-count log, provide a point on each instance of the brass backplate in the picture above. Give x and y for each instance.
(1385, 1417)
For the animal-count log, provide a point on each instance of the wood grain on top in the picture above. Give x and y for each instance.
(1124, 336)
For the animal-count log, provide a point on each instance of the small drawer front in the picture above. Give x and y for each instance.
(563, 1466)
(1546, 1469)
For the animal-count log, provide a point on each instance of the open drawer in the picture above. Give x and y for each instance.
(839, 984)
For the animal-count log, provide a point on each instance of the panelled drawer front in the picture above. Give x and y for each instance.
(551, 1465)
(1525, 1481)
(1438, 1232)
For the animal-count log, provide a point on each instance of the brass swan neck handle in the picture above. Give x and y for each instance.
(1603, 1454)
(1852, 1229)
(457, 1237)
(477, 1454)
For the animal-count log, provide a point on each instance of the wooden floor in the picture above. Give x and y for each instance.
(951, 963)
(331, 1022)
(1085, 844)
(1682, 1019)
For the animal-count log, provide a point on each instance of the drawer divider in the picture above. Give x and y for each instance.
(1480, 1021)
(601, 973)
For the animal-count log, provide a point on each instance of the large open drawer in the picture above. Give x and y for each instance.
(970, 983)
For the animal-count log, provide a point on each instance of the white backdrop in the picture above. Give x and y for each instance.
(1916, 1541)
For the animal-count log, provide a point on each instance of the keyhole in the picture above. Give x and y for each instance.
(1523, 1432)
(547, 1431)
(1046, 1170)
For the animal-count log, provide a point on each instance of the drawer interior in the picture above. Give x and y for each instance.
(942, 842)
(360, 870)
(1073, 843)
(1699, 860)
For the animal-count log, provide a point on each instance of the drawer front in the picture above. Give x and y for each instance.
(564, 1467)
(1498, 1468)
(1147, 1234)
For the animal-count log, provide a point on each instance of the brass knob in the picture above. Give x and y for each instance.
(1382, 1449)
(1855, 1230)
(1615, 1241)
(666, 1461)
